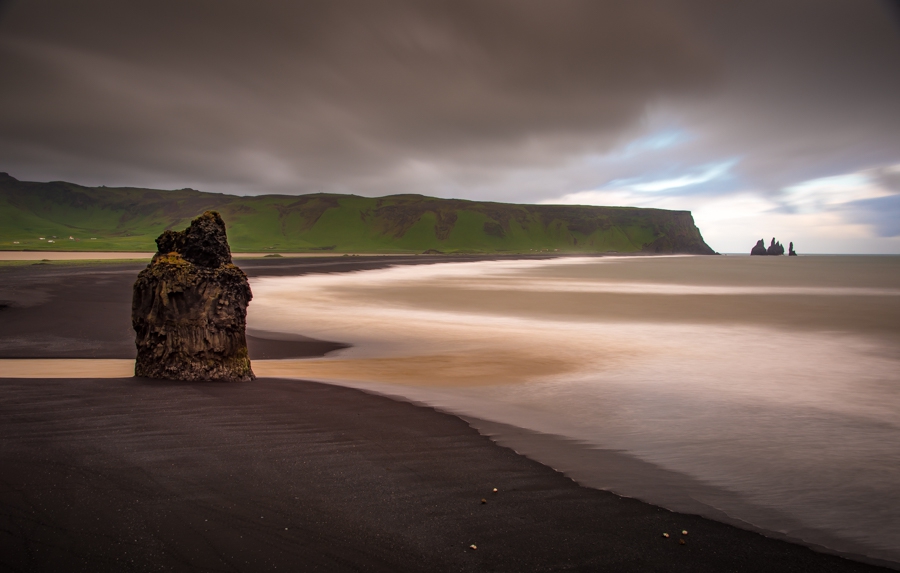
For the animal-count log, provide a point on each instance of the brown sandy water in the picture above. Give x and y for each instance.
(770, 385)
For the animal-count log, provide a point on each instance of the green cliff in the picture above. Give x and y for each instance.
(119, 219)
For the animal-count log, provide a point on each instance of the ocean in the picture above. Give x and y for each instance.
(760, 391)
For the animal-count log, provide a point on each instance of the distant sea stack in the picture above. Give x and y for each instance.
(775, 248)
(189, 307)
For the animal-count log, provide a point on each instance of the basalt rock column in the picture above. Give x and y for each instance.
(775, 248)
(759, 249)
(189, 309)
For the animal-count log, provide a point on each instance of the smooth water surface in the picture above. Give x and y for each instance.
(763, 390)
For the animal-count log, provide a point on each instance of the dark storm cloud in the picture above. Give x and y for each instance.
(328, 94)
(490, 99)
(894, 7)
(809, 89)
(817, 95)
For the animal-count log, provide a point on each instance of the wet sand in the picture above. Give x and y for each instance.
(81, 311)
(73, 255)
(134, 474)
(142, 255)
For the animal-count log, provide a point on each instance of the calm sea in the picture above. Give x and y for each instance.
(761, 391)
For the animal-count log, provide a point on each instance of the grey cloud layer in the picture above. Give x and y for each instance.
(330, 92)
(489, 99)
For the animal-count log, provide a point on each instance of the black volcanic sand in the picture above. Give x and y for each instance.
(80, 311)
(136, 474)
(146, 475)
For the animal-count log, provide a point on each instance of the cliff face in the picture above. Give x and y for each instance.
(678, 234)
(189, 308)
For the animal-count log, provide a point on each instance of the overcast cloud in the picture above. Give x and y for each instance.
(773, 117)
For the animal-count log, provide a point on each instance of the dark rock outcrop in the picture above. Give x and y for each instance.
(759, 249)
(189, 307)
(791, 251)
(775, 248)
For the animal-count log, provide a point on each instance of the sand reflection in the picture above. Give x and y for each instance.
(434, 370)
(66, 368)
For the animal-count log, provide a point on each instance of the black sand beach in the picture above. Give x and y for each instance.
(144, 475)
(83, 311)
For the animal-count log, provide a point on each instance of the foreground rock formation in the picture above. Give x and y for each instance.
(189, 307)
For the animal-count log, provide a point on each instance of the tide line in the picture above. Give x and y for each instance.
(459, 369)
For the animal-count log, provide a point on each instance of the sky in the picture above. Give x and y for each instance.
(766, 118)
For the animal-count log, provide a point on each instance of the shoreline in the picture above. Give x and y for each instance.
(39, 255)
(25, 255)
(99, 295)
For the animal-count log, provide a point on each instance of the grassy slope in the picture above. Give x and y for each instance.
(113, 219)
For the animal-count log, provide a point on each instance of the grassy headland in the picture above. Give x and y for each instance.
(71, 217)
